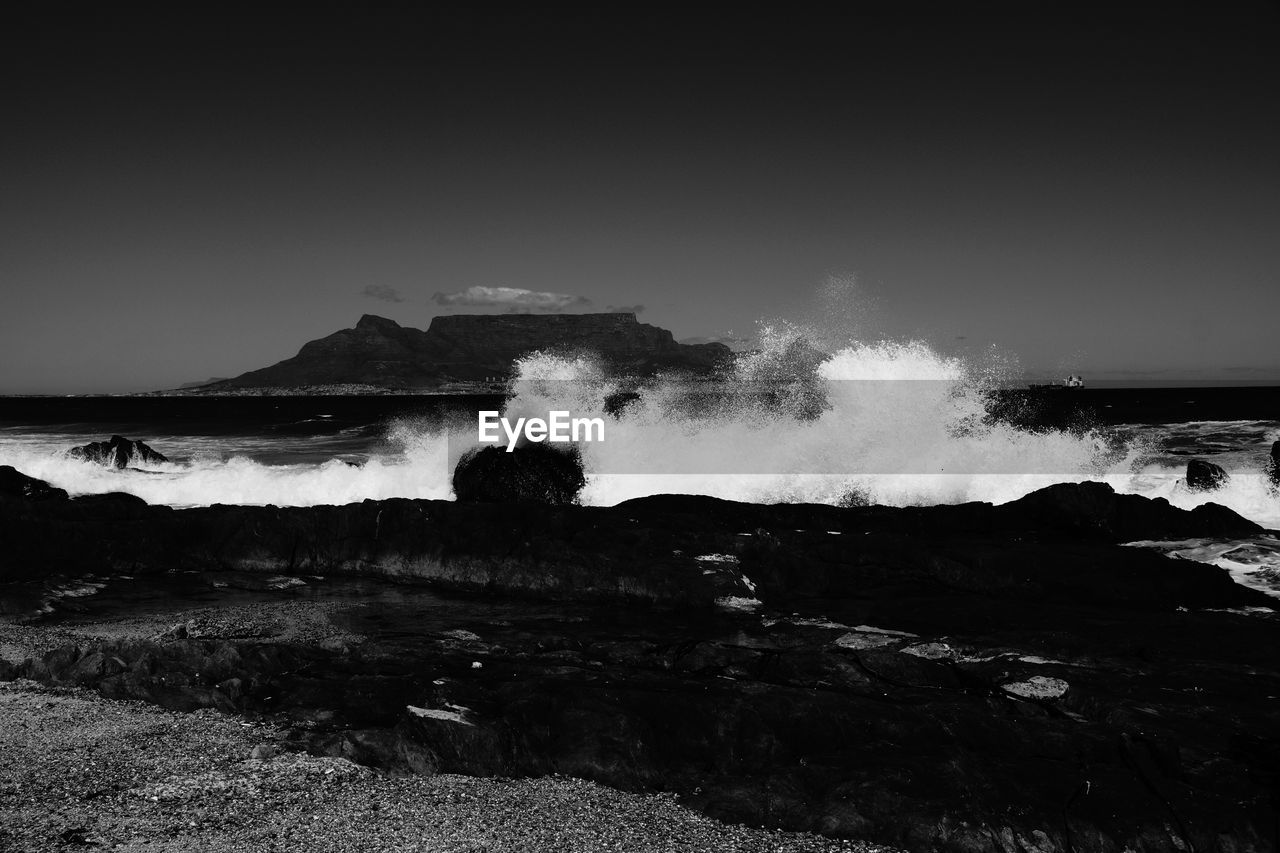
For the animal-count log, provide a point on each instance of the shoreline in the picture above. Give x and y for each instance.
(82, 771)
(924, 677)
(128, 775)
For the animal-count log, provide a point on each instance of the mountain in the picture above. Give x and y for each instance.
(212, 379)
(473, 347)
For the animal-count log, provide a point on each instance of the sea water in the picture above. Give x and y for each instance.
(892, 423)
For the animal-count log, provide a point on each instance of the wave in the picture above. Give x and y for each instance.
(892, 423)
(419, 470)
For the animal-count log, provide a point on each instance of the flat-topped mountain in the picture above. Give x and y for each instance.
(474, 347)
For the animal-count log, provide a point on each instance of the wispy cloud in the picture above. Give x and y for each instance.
(514, 299)
(730, 340)
(383, 292)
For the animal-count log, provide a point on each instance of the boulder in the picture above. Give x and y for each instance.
(1273, 463)
(1094, 510)
(1205, 476)
(532, 473)
(117, 452)
(15, 484)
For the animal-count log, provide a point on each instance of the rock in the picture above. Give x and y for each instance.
(15, 484)
(782, 727)
(1205, 476)
(617, 403)
(180, 631)
(1273, 463)
(930, 651)
(263, 752)
(1095, 511)
(810, 722)
(392, 751)
(1038, 687)
(117, 452)
(1060, 541)
(532, 473)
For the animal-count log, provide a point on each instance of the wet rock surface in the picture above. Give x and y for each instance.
(532, 473)
(16, 485)
(644, 549)
(1076, 730)
(1205, 476)
(965, 678)
(117, 452)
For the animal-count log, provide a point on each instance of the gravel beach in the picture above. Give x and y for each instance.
(81, 772)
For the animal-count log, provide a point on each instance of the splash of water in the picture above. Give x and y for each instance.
(417, 470)
(892, 423)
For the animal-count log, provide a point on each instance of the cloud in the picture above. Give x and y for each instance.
(516, 300)
(383, 292)
(625, 309)
(730, 340)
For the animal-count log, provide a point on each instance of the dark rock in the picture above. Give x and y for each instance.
(1095, 511)
(8, 672)
(532, 473)
(117, 452)
(1045, 683)
(15, 484)
(617, 403)
(1061, 540)
(393, 751)
(783, 727)
(1205, 476)
(1273, 463)
(464, 347)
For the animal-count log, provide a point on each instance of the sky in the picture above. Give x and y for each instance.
(188, 192)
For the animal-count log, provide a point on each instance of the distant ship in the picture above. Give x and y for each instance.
(1072, 381)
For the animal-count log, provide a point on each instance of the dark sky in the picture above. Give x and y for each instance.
(1089, 188)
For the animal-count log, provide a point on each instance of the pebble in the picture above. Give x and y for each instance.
(127, 776)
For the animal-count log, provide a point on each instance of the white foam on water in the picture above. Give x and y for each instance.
(892, 423)
(902, 426)
(1253, 562)
(419, 470)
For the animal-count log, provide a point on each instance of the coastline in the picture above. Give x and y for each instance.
(127, 775)
(917, 676)
(84, 771)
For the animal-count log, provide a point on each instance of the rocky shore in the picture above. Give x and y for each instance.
(968, 678)
(86, 773)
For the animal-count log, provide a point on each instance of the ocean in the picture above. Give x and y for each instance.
(894, 427)
(858, 685)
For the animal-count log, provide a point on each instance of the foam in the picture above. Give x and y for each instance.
(891, 423)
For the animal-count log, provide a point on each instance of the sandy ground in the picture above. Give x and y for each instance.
(80, 772)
